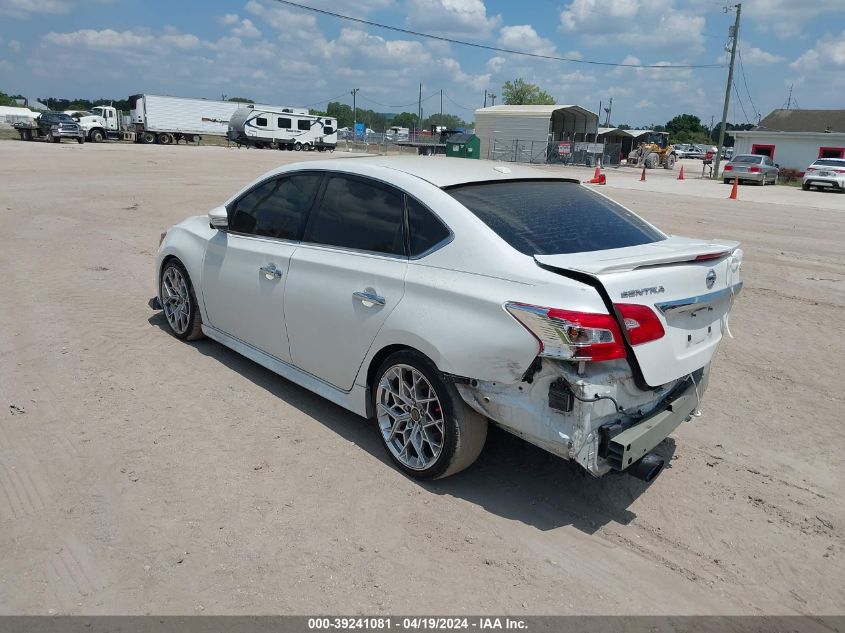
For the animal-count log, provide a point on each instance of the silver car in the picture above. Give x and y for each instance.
(760, 170)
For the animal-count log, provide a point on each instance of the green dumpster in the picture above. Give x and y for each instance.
(463, 146)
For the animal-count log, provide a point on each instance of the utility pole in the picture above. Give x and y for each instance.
(419, 109)
(735, 35)
(492, 99)
(441, 106)
(354, 93)
(485, 98)
(789, 100)
(608, 110)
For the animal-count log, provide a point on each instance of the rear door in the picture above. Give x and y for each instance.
(346, 277)
(246, 267)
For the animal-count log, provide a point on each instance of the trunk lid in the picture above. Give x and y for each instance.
(690, 284)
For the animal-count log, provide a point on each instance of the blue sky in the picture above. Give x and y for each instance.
(273, 53)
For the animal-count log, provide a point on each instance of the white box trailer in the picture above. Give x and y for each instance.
(162, 119)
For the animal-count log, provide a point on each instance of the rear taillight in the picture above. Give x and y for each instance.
(570, 335)
(811, 169)
(729, 167)
(641, 323)
(754, 170)
(709, 256)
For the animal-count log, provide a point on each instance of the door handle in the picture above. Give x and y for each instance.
(368, 297)
(271, 272)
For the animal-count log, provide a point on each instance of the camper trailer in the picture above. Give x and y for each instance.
(282, 128)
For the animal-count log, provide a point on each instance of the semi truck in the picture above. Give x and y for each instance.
(160, 119)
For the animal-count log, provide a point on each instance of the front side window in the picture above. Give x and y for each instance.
(303, 124)
(549, 217)
(425, 230)
(359, 214)
(328, 130)
(261, 121)
(276, 208)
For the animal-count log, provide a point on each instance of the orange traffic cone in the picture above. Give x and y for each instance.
(597, 174)
(734, 190)
(681, 174)
(642, 178)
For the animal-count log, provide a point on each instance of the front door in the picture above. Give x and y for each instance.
(346, 277)
(246, 267)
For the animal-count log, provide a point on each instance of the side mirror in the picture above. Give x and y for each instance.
(218, 218)
(776, 165)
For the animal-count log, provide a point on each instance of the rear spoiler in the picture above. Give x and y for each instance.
(674, 249)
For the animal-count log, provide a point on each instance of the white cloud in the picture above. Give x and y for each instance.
(466, 18)
(828, 51)
(15, 45)
(246, 29)
(523, 37)
(788, 17)
(25, 8)
(495, 64)
(229, 18)
(649, 24)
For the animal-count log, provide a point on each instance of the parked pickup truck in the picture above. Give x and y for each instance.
(52, 127)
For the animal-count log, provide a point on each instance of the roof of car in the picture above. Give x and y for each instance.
(438, 170)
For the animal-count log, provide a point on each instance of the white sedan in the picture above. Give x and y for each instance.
(435, 295)
(825, 173)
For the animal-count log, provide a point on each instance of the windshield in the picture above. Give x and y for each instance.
(747, 159)
(64, 118)
(549, 217)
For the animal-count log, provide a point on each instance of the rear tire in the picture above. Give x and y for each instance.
(297, 147)
(805, 186)
(164, 139)
(179, 302)
(428, 430)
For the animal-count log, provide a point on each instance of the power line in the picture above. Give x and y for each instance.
(458, 104)
(489, 48)
(325, 100)
(739, 100)
(404, 105)
(745, 81)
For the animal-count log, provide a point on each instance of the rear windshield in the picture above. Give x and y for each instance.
(548, 217)
(831, 162)
(746, 159)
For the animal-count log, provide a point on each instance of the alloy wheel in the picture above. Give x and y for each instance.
(176, 300)
(410, 417)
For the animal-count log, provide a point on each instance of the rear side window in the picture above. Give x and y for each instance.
(553, 217)
(328, 130)
(358, 214)
(276, 208)
(284, 124)
(303, 124)
(830, 162)
(426, 231)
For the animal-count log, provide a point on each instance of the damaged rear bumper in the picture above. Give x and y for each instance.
(596, 416)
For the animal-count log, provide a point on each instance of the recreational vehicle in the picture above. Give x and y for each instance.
(282, 128)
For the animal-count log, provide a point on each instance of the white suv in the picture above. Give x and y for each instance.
(825, 173)
(434, 295)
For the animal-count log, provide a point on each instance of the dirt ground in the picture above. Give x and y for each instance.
(140, 474)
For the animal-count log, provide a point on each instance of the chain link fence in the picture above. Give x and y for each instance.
(560, 152)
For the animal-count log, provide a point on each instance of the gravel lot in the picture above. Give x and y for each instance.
(139, 474)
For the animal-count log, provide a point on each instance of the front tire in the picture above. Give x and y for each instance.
(179, 302)
(426, 427)
(97, 136)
